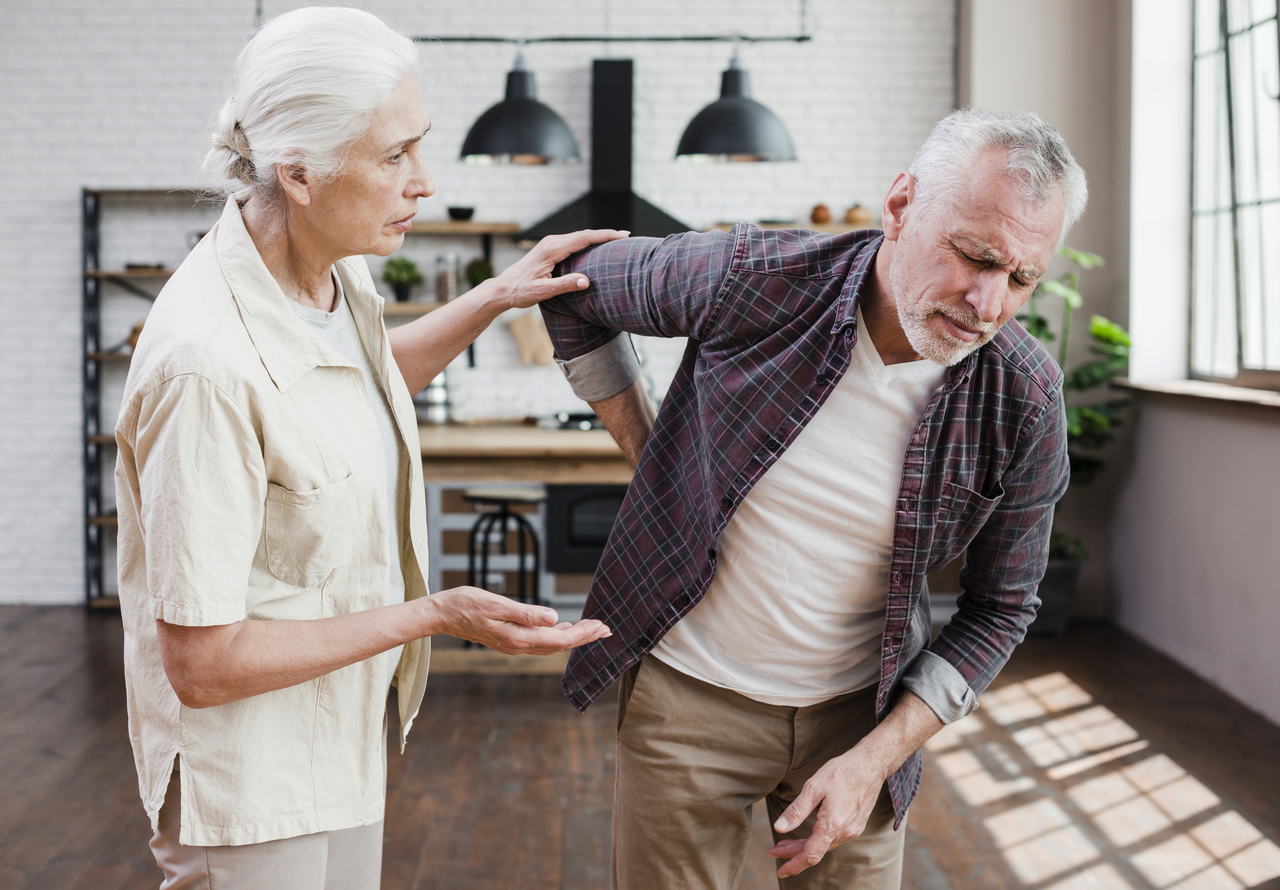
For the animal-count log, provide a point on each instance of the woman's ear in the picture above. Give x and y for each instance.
(896, 204)
(295, 182)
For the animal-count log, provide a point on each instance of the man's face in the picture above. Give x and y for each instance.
(966, 263)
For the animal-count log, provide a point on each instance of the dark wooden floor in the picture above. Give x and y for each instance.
(1093, 763)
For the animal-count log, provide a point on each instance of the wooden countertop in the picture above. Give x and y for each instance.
(521, 453)
(515, 441)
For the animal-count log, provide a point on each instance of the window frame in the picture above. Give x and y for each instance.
(1253, 378)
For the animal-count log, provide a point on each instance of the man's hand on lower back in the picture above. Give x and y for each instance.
(629, 417)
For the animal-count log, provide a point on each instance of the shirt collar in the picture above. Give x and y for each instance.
(858, 277)
(286, 345)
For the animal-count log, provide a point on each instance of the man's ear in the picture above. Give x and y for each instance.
(897, 204)
(295, 182)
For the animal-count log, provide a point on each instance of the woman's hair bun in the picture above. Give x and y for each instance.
(232, 154)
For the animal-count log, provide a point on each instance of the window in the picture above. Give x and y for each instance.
(1235, 194)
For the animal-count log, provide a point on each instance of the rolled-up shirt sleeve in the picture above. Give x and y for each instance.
(201, 492)
(940, 686)
(605, 371)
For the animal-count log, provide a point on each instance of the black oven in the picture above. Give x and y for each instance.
(578, 521)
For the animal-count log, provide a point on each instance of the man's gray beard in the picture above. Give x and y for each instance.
(935, 345)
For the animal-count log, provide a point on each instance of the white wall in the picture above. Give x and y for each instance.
(1196, 531)
(1196, 538)
(1067, 60)
(113, 94)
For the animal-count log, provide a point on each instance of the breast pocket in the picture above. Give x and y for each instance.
(961, 513)
(309, 534)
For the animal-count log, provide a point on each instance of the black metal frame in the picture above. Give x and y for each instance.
(479, 547)
(802, 36)
(94, 442)
(91, 400)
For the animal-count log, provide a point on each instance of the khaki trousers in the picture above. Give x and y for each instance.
(693, 758)
(350, 859)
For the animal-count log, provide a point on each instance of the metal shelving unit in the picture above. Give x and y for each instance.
(98, 521)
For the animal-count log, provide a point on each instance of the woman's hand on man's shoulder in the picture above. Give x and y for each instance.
(529, 280)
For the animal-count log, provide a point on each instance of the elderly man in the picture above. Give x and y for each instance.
(852, 412)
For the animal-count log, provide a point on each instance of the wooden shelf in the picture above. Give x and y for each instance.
(108, 521)
(108, 357)
(392, 309)
(105, 602)
(184, 191)
(104, 439)
(450, 227)
(129, 273)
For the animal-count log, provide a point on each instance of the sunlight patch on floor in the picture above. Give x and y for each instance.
(1076, 800)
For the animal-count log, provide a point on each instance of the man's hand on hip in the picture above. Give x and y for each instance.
(844, 792)
(845, 789)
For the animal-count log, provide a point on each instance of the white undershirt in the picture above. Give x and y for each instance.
(338, 329)
(796, 611)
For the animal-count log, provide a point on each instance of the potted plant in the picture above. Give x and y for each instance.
(1090, 423)
(402, 274)
(478, 271)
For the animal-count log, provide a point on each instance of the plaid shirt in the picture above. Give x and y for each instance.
(770, 317)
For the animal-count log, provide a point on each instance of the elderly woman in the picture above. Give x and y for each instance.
(272, 520)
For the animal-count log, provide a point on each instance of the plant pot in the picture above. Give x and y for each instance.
(402, 292)
(1057, 589)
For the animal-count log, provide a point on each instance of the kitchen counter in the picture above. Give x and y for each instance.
(520, 453)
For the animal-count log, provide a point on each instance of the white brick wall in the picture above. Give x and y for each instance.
(114, 93)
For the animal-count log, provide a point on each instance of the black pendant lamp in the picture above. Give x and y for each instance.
(519, 129)
(736, 127)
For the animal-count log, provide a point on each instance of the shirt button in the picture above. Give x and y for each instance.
(897, 577)
(711, 553)
(726, 503)
(823, 378)
(772, 443)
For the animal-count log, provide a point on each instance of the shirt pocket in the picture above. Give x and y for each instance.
(309, 534)
(961, 514)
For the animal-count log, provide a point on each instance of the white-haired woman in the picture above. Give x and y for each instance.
(272, 517)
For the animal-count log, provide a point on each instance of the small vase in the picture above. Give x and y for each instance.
(402, 293)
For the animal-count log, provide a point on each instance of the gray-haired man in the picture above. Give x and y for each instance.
(852, 413)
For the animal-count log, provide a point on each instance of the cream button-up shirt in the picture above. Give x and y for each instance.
(251, 485)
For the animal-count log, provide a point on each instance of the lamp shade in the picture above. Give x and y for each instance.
(519, 129)
(736, 127)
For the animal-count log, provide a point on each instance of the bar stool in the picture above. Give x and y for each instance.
(489, 521)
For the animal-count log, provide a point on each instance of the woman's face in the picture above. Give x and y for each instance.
(369, 207)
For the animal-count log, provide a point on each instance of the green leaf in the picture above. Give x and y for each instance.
(1065, 545)
(1089, 375)
(1083, 259)
(1038, 327)
(1073, 422)
(1106, 331)
(1070, 294)
(401, 271)
(1084, 469)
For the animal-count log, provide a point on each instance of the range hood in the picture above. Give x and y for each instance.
(611, 204)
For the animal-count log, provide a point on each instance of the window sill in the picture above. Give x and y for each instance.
(1204, 390)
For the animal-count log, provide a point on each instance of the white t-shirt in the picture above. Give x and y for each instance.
(796, 611)
(338, 329)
